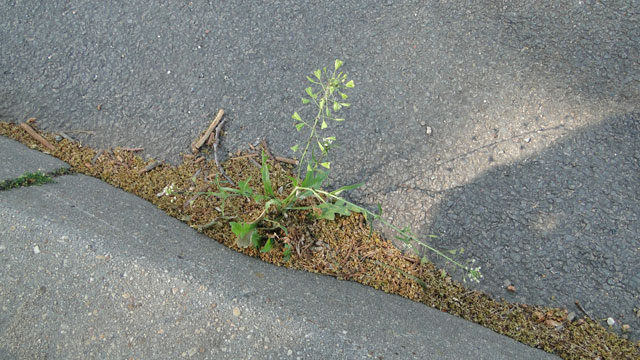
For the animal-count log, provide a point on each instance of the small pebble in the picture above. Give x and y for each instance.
(36, 249)
(572, 316)
(527, 140)
(511, 288)
(236, 311)
(429, 130)
(626, 327)
(610, 321)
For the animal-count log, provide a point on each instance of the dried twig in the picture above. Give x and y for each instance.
(243, 156)
(286, 160)
(209, 130)
(96, 156)
(266, 148)
(37, 136)
(150, 167)
(215, 154)
(133, 149)
(255, 163)
(582, 309)
(64, 135)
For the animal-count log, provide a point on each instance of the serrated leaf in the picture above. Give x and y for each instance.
(317, 74)
(267, 247)
(299, 126)
(294, 148)
(306, 101)
(326, 164)
(323, 125)
(314, 179)
(350, 84)
(296, 116)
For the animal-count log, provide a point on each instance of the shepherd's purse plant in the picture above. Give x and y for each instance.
(327, 93)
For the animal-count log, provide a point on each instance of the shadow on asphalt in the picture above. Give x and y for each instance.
(560, 226)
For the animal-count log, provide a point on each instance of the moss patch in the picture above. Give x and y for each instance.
(28, 179)
(340, 248)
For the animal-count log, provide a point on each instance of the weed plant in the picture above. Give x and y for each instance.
(327, 93)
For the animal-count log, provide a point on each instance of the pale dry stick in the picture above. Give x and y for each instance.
(255, 163)
(37, 136)
(286, 160)
(215, 154)
(136, 149)
(64, 135)
(96, 156)
(150, 167)
(209, 130)
(266, 148)
(244, 156)
(582, 309)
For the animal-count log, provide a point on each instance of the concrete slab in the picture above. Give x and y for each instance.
(90, 271)
(17, 159)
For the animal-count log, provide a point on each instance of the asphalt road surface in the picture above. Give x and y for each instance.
(510, 129)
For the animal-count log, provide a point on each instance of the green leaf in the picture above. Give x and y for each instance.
(294, 181)
(296, 116)
(266, 182)
(345, 104)
(245, 233)
(294, 148)
(267, 247)
(245, 189)
(339, 119)
(329, 210)
(299, 126)
(255, 239)
(336, 106)
(314, 179)
(317, 74)
(350, 84)
(379, 209)
(311, 80)
(345, 188)
(306, 101)
(326, 164)
(344, 96)
(338, 64)
(323, 125)
(309, 91)
(286, 255)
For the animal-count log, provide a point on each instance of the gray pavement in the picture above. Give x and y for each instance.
(92, 272)
(527, 103)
